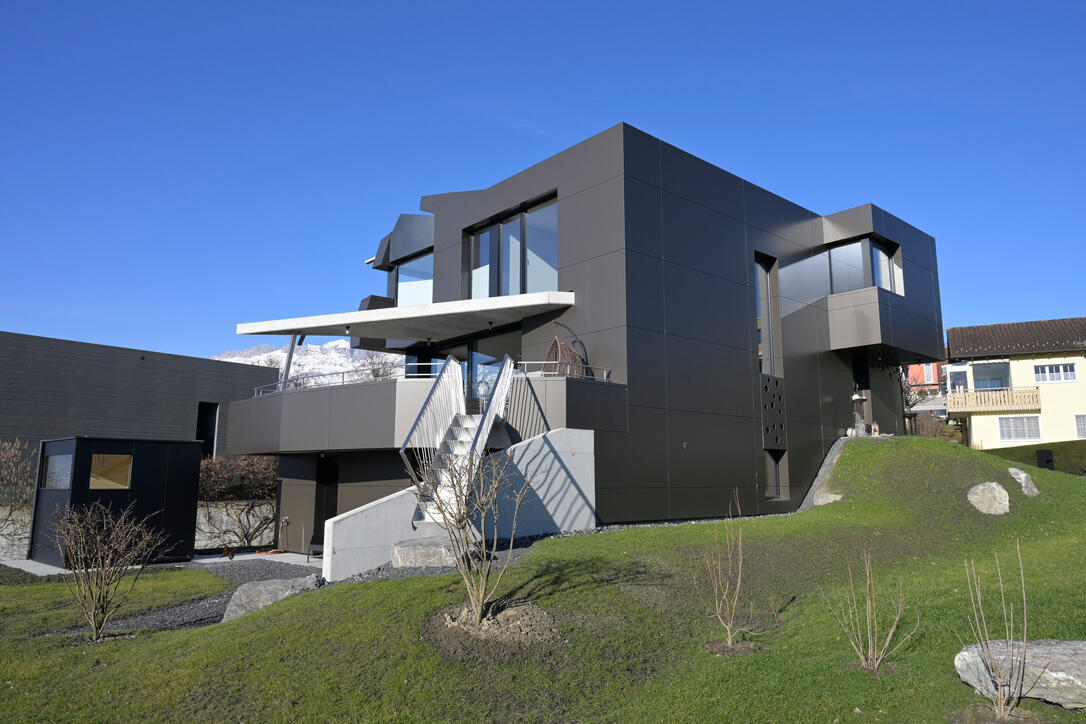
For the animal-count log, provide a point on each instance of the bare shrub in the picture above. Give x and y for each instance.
(246, 477)
(1007, 673)
(471, 497)
(719, 580)
(236, 522)
(17, 488)
(930, 426)
(245, 483)
(106, 552)
(861, 624)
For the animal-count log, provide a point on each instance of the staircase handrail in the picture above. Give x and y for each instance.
(494, 406)
(444, 402)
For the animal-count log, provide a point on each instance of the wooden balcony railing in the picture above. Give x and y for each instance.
(1004, 399)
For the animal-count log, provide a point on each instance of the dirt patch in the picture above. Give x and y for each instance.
(741, 648)
(981, 714)
(514, 630)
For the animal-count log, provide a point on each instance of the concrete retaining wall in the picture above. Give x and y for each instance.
(361, 539)
(561, 467)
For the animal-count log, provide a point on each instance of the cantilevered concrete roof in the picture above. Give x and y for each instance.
(438, 321)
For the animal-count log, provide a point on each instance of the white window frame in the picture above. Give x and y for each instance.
(1076, 417)
(1040, 430)
(929, 373)
(1043, 374)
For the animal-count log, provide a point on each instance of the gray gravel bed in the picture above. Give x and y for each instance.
(208, 610)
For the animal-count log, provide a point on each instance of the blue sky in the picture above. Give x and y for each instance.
(170, 169)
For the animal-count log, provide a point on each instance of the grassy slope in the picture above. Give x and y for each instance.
(635, 632)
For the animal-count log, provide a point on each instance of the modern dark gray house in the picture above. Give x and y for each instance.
(706, 335)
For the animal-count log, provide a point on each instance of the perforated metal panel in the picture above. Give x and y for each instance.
(773, 431)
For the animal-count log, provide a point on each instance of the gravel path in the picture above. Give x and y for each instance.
(209, 610)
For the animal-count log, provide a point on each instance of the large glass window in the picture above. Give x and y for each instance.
(111, 472)
(865, 263)
(479, 280)
(847, 268)
(541, 261)
(510, 255)
(58, 472)
(415, 281)
(524, 247)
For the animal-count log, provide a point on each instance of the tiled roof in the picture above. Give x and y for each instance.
(1004, 340)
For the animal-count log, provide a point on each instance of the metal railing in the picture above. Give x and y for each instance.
(427, 369)
(352, 377)
(495, 406)
(442, 405)
(564, 369)
(1002, 399)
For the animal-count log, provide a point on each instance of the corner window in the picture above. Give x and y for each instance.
(58, 472)
(1023, 427)
(111, 472)
(517, 255)
(866, 263)
(1055, 373)
(415, 281)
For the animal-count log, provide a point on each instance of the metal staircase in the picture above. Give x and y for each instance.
(444, 435)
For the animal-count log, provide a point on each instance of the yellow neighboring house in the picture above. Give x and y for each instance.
(1018, 384)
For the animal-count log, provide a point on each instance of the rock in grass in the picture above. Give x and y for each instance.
(1055, 671)
(1026, 481)
(254, 596)
(989, 498)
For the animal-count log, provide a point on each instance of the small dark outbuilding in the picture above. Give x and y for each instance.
(159, 477)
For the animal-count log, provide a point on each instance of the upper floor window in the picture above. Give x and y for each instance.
(929, 373)
(415, 281)
(866, 263)
(1054, 373)
(518, 255)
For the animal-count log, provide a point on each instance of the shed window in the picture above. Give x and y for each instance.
(58, 472)
(111, 472)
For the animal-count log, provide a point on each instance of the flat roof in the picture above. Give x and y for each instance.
(437, 321)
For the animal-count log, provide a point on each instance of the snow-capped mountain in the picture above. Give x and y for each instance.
(313, 359)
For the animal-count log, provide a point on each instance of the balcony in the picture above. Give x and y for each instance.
(1004, 399)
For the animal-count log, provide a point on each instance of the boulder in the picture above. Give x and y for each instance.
(434, 552)
(990, 498)
(254, 596)
(1026, 481)
(1055, 670)
(825, 498)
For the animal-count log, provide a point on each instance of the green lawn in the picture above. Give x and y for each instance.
(635, 633)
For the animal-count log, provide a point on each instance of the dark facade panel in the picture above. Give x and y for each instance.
(54, 388)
